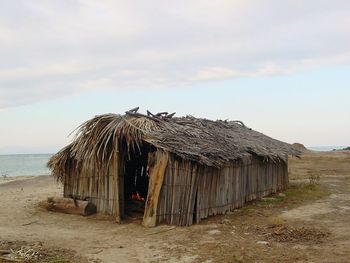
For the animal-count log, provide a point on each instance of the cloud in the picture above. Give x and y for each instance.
(218, 73)
(333, 59)
(51, 49)
(39, 72)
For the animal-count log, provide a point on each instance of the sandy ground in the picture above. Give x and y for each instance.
(7, 179)
(286, 228)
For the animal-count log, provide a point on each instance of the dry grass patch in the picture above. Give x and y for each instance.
(319, 164)
(19, 251)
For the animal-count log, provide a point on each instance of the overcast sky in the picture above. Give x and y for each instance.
(282, 67)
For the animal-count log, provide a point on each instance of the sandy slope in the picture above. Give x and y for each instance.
(229, 238)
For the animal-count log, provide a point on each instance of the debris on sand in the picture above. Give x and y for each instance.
(20, 251)
(286, 233)
(262, 242)
(21, 254)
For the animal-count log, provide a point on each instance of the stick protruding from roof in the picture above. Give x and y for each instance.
(157, 116)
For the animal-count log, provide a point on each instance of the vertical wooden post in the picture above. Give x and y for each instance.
(156, 177)
(114, 197)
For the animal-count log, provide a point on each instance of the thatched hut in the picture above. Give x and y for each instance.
(183, 169)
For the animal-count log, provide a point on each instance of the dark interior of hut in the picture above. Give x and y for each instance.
(136, 182)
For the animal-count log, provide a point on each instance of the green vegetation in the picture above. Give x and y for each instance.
(56, 259)
(296, 194)
(304, 192)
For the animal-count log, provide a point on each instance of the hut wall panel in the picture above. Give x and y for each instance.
(89, 184)
(191, 191)
(178, 194)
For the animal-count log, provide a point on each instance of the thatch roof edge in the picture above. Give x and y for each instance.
(210, 143)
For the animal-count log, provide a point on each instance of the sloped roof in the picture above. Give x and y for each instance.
(208, 142)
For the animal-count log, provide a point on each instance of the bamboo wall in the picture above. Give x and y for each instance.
(101, 190)
(191, 192)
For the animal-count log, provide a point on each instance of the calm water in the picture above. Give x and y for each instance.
(326, 148)
(35, 164)
(24, 164)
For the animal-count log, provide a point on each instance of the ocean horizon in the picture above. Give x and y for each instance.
(24, 164)
(326, 148)
(35, 164)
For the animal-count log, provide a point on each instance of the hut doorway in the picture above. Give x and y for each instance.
(136, 183)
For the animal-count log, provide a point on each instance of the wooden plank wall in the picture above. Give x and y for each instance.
(100, 189)
(191, 192)
(178, 193)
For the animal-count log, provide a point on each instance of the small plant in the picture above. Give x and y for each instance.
(314, 179)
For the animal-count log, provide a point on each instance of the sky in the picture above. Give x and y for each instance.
(281, 67)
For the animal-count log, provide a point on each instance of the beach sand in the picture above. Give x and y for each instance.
(240, 236)
(7, 179)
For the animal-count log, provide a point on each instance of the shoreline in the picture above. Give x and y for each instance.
(12, 178)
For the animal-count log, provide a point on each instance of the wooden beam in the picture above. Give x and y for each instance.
(70, 206)
(156, 177)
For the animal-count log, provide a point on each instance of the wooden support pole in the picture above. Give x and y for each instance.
(156, 177)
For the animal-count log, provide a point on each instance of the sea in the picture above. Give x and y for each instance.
(325, 148)
(24, 164)
(35, 164)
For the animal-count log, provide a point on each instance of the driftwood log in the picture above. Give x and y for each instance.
(70, 206)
